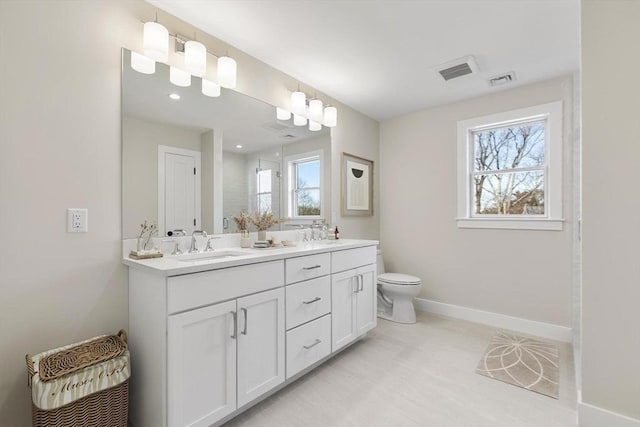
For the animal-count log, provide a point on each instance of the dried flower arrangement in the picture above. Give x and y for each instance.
(149, 231)
(242, 221)
(264, 221)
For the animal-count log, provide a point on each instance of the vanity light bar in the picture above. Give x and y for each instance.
(315, 112)
(156, 49)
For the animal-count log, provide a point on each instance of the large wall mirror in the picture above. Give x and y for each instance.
(191, 161)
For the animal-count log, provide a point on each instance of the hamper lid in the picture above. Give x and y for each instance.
(81, 356)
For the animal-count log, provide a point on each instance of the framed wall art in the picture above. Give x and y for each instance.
(357, 185)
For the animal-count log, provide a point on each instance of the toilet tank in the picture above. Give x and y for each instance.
(380, 262)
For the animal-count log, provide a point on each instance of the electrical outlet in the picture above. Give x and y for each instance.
(77, 220)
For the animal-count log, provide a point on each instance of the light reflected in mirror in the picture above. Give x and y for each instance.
(243, 157)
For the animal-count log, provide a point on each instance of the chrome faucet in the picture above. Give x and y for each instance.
(210, 248)
(194, 244)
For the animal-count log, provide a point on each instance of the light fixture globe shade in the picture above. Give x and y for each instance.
(315, 110)
(314, 126)
(298, 102)
(299, 120)
(156, 42)
(195, 58)
(142, 64)
(282, 114)
(210, 88)
(330, 117)
(179, 77)
(227, 69)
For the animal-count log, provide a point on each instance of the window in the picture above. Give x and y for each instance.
(304, 195)
(509, 169)
(264, 190)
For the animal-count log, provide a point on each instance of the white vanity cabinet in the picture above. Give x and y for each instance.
(353, 295)
(203, 347)
(209, 340)
(201, 365)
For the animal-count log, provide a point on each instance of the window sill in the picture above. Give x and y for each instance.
(512, 224)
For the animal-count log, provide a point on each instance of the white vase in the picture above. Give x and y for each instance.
(245, 240)
(262, 235)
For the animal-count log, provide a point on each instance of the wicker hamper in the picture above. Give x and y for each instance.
(83, 384)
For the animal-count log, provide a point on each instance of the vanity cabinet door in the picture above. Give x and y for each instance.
(366, 299)
(343, 309)
(261, 346)
(201, 365)
(353, 304)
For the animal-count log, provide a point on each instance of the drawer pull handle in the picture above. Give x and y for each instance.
(312, 267)
(315, 343)
(361, 283)
(316, 299)
(235, 324)
(244, 331)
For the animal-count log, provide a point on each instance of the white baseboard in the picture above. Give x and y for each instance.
(592, 416)
(531, 327)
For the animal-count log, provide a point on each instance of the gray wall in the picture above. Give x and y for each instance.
(60, 134)
(611, 231)
(419, 235)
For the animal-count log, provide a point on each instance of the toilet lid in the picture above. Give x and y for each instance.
(398, 279)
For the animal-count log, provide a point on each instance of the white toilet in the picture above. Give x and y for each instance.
(395, 294)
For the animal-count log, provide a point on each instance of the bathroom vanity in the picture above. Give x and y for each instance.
(212, 334)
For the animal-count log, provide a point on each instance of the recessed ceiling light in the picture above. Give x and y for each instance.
(174, 96)
(238, 146)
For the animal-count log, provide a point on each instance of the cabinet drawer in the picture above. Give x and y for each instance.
(307, 344)
(308, 300)
(307, 267)
(200, 289)
(352, 258)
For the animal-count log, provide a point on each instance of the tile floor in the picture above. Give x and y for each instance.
(414, 375)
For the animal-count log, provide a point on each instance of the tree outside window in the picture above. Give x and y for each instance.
(508, 175)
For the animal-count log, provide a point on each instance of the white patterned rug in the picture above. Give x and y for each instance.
(524, 362)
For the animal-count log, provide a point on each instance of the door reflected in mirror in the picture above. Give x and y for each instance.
(192, 162)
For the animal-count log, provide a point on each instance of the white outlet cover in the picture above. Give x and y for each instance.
(77, 220)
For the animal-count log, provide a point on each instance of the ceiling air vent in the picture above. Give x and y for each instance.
(502, 79)
(275, 126)
(457, 68)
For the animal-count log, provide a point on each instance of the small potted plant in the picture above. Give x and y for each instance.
(242, 222)
(263, 221)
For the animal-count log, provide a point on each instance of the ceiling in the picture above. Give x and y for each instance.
(379, 56)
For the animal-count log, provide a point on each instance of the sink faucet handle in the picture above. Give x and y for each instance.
(209, 248)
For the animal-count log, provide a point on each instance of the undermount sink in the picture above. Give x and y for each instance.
(209, 256)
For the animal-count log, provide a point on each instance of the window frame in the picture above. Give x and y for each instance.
(291, 181)
(258, 193)
(551, 113)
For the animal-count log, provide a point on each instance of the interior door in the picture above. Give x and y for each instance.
(201, 365)
(179, 190)
(261, 347)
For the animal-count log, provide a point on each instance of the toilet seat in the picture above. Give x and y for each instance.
(398, 279)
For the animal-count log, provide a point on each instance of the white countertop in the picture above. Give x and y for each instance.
(174, 265)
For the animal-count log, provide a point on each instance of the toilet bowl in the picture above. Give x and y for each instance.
(395, 294)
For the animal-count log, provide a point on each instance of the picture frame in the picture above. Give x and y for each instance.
(357, 186)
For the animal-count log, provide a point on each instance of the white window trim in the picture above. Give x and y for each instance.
(553, 220)
(288, 196)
